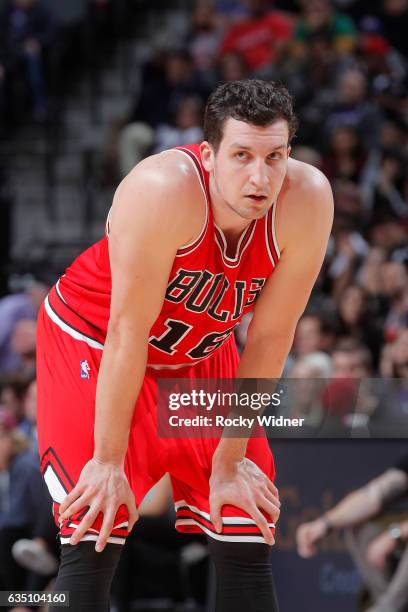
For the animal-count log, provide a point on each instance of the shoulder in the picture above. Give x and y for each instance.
(305, 202)
(165, 186)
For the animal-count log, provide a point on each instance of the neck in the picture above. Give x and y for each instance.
(229, 222)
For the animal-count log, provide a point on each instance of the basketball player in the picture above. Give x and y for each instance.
(196, 237)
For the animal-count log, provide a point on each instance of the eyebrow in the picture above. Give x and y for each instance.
(236, 145)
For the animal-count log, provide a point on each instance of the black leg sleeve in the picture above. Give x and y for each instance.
(87, 576)
(244, 577)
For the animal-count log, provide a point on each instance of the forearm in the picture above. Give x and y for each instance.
(354, 508)
(120, 378)
(259, 360)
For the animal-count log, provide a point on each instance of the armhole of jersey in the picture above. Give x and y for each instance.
(270, 235)
(191, 246)
(107, 222)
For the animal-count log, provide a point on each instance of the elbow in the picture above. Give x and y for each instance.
(122, 332)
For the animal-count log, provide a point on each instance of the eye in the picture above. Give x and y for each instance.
(241, 155)
(275, 155)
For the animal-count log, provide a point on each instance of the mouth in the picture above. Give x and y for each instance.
(256, 198)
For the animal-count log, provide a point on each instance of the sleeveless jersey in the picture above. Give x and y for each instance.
(207, 294)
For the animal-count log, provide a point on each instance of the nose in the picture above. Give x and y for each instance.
(259, 176)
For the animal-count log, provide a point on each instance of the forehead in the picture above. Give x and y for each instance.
(255, 136)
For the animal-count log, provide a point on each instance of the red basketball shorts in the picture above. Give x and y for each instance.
(68, 364)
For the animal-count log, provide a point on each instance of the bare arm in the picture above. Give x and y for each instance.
(356, 507)
(305, 228)
(304, 232)
(155, 196)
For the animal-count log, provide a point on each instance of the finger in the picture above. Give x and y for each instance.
(270, 509)
(70, 498)
(262, 523)
(106, 530)
(133, 515)
(80, 504)
(215, 515)
(272, 487)
(85, 524)
(272, 498)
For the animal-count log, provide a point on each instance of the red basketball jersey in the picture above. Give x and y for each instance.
(207, 294)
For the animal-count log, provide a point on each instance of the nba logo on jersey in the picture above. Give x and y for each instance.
(85, 369)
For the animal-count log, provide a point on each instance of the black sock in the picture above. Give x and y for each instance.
(244, 577)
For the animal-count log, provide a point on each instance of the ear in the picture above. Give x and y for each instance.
(289, 150)
(207, 155)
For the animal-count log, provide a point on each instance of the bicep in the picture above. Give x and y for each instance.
(143, 241)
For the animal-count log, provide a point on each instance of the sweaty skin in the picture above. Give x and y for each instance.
(158, 208)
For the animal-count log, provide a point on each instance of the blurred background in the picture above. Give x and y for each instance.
(90, 87)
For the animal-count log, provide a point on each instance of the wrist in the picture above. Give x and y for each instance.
(326, 524)
(107, 462)
(229, 452)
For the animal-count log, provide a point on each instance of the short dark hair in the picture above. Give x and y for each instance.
(251, 100)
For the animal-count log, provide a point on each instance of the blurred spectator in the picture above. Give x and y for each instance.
(205, 37)
(314, 333)
(22, 500)
(185, 129)
(358, 320)
(231, 67)
(261, 38)
(395, 289)
(309, 374)
(394, 19)
(13, 388)
(346, 156)
(377, 536)
(28, 425)
(321, 16)
(353, 107)
(351, 359)
(137, 140)
(23, 344)
(384, 186)
(26, 31)
(165, 82)
(13, 308)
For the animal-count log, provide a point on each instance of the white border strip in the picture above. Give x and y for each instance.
(67, 329)
(201, 235)
(227, 520)
(275, 242)
(219, 536)
(233, 263)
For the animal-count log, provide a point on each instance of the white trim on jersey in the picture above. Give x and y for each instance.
(201, 235)
(233, 262)
(275, 242)
(268, 248)
(227, 520)
(219, 536)
(69, 330)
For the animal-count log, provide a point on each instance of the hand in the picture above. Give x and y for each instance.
(103, 487)
(379, 549)
(308, 535)
(244, 484)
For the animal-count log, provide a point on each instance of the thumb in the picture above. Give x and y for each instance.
(215, 516)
